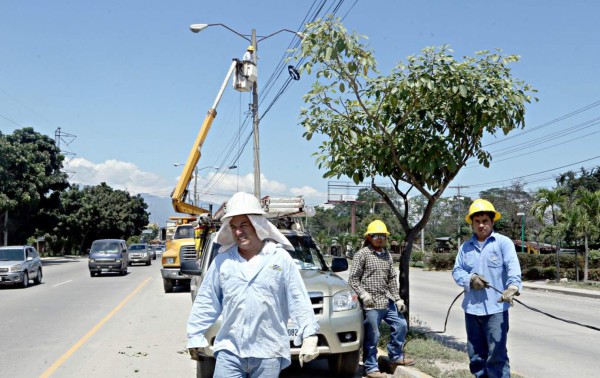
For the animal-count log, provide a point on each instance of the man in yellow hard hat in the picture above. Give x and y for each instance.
(375, 280)
(485, 262)
(249, 54)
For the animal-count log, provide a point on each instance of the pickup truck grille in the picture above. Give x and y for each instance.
(3, 270)
(187, 252)
(316, 298)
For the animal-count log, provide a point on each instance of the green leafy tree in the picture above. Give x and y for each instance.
(98, 212)
(584, 220)
(30, 183)
(417, 126)
(546, 208)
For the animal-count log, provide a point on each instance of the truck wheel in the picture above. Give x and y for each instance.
(25, 282)
(344, 364)
(38, 278)
(168, 284)
(205, 368)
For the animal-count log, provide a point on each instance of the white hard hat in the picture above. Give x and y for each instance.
(242, 204)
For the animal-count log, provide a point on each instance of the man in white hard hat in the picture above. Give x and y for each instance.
(374, 279)
(486, 262)
(254, 284)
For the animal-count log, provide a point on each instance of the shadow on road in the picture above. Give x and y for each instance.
(314, 369)
(449, 341)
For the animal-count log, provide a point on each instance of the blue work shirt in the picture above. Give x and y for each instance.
(255, 303)
(497, 261)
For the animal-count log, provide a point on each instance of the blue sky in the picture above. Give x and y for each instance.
(131, 82)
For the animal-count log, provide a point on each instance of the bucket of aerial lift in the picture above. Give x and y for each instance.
(241, 83)
(250, 71)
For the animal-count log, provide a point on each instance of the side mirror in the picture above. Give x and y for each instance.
(339, 264)
(190, 268)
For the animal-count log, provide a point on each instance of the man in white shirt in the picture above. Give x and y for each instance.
(254, 284)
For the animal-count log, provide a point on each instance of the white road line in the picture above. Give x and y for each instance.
(62, 283)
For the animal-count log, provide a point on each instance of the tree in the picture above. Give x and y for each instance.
(30, 182)
(98, 212)
(417, 126)
(585, 220)
(550, 200)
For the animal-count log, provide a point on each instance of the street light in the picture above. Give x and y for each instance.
(196, 28)
(522, 215)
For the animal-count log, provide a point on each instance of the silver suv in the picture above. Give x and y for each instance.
(335, 304)
(139, 253)
(19, 264)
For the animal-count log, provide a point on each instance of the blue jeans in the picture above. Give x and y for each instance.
(398, 327)
(231, 366)
(486, 344)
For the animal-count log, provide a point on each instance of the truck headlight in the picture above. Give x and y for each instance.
(16, 268)
(170, 260)
(117, 260)
(345, 300)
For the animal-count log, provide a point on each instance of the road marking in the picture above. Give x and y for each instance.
(91, 332)
(62, 283)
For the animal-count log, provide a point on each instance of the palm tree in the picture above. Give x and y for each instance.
(553, 199)
(586, 220)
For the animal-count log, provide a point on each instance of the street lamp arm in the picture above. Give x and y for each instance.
(196, 28)
(298, 34)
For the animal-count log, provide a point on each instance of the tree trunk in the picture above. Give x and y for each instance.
(404, 268)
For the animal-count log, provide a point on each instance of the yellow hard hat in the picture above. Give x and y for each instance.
(250, 48)
(376, 227)
(481, 205)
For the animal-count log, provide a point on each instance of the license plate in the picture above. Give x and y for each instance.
(104, 270)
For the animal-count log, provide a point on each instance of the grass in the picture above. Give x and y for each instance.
(577, 285)
(435, 355)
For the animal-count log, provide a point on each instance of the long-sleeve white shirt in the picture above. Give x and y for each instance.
(256, 298)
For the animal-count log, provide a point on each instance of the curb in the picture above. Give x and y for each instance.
(576, 292)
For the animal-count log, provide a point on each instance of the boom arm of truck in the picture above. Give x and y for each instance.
(178, 196)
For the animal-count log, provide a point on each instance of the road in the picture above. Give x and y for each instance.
(111, 326)
(538, 346)
(74, 325)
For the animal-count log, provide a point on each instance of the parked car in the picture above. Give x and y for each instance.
(139, 253)
(335, 304)
(19, 264)
(108, 256)
(152, 251)
(160, 249)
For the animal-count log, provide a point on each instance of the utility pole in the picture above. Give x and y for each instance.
(458, 198)
(255, 120)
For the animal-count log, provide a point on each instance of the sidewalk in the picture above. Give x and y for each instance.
(543, 285)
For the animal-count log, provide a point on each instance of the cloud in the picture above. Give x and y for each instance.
(214, 186)
(118, 175)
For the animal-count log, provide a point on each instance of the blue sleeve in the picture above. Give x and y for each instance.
(460, 275)
(511, 264)
(206, 308)
(299, 304)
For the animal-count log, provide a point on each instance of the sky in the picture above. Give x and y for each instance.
(126, 85)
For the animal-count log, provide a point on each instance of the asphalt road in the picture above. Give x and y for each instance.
(111, 326)
(538, 346)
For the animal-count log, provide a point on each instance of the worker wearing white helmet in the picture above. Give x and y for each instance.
(254, 284)
(486, 261)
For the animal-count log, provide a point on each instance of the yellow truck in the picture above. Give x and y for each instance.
(179, 246)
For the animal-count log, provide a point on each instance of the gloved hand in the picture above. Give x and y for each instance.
(308, 350)
(195, 353)
(401, 306)
(367, 300)
(509, 294)
(478, 282)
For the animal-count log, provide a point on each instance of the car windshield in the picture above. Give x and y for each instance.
(137, 247)
(106, 247)
(305, 254)
(12, 255)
